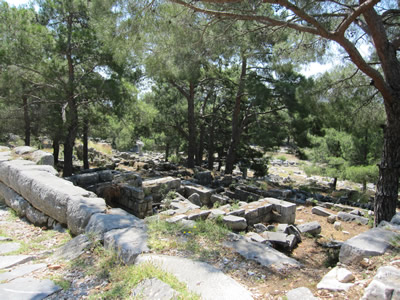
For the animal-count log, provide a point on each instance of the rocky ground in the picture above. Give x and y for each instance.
(264, 283)
(31, 263)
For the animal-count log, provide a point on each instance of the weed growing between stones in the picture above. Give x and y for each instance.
(332, 258)
(124, 278)
(201, 241)
(13, 215)
(61, 282)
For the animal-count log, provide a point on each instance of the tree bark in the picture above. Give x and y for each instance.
(199, 157)
(211, 146)
(167, 146)
(56, 150)
(72, 112)
(386, 196)
(236, 132)
(85, 149)
(192, 127)
(27, 121)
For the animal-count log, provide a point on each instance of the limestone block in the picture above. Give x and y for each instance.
(301, 293)
(102, 223)
(79, 211)
(204, 193)
(13, 200)
(319, 211)
(87, 179)
(36, 217)
(347, 217)
(21, 150)
(105, 176)
(127, 242)
(385, 285)
(43, 158)
(202, 215)
(286, 211)
(219, 198)
(235, 223)
(312, 228)
(195, 199)
(373, 242)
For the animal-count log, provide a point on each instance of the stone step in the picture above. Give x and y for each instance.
(27, 289)
(9, 247)
(20, 271)
(14, 260)
(201, 278)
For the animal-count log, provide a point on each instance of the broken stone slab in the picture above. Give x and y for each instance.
(154, 288)
(48, 193)
(347, 217)
(259, 227)
(5, 239)
(21, 271)
(80, 210)
(235, 223)
(331, 281)
(202, 215)
(14, 260)
(27, 289)
(204, 178)
(255, 237)
(276, 238)
(238, 212)
(261, 253)
(301, 293)
(195, 199)
(216, 198)
(204, 193)
(170, 183)
(9, 247)
(215, 213)
(331, 219)
(312, 228)
(177, 218)
(385, 285)
(319, 211)
(13, 200)
(21, 150)
(285, 211)
(101, 223)
(373, 242)
(201, 278)
(395, 219)
(73, 248)
(43, 158)
(128, 243)
(36, 216)
(87, 179)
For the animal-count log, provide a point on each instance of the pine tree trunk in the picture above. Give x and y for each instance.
(386, 196)
(211, 147)
(27, 121)
(70, 140)
(167, 151)
(192, 128)
(56, 150)
(199, 157)
(334, 183)
(235, 136)
(72, 112)
(85, 149)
